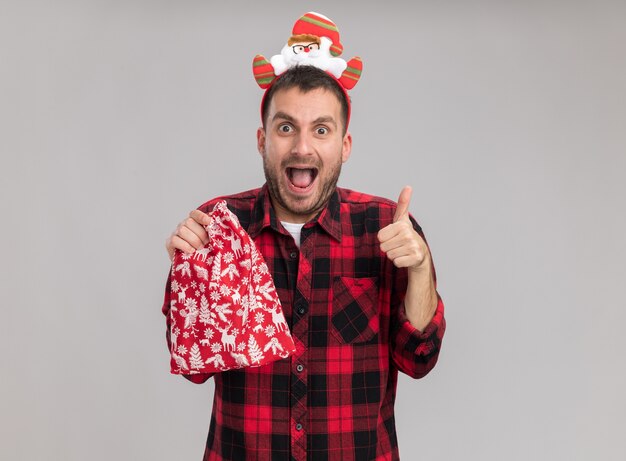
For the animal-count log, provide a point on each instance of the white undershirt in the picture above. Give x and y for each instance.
(294, 229)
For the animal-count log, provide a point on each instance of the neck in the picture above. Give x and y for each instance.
(285, 215)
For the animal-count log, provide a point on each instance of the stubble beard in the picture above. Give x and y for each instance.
(326, 186)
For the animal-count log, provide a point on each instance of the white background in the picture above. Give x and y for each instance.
(507, 118)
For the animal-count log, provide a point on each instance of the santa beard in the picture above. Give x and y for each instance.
(309, 206)
(317, 58)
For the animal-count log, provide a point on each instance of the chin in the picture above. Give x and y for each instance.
(299, 204)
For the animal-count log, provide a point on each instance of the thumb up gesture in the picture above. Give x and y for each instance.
(399, 240)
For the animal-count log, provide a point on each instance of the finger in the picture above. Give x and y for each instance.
(403, 203)
(196, 228)
(196, 238)
(408, 249)
(200, 217)
(394, 243)
(392, 230)
(397, 252)
(176, 243)
(404, 261)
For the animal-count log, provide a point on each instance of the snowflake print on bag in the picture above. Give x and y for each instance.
(223, 291)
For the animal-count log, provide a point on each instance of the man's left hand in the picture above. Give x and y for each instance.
(406, 248)
(400, 242)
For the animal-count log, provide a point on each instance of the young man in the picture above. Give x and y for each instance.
(356, 283)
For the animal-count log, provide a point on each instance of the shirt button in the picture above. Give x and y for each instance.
(298, 427)
(301, 310)
(299, 368)
(293, 255)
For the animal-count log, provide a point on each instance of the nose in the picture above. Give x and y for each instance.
(307, 49)
(302, 144)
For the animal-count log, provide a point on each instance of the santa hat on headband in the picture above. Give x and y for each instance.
(319, 25)
(315, 41)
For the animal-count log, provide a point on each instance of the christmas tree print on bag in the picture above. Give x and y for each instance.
(225, 312)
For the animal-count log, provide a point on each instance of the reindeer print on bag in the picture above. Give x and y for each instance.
(221, 318)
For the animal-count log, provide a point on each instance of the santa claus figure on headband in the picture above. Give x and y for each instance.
(314, 41)
(308, 49)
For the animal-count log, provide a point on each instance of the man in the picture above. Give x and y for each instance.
(356, 282)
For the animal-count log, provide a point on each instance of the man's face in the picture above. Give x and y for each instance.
(303, 147)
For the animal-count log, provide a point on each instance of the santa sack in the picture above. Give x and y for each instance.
(225, 312)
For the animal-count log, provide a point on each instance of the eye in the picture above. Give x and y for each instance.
(298, 48)
(322, 130)
(285, 128)
(313, 46)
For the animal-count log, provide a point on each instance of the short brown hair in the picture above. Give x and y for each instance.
(307, 78)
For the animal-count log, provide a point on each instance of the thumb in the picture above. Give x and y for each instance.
(403, 204)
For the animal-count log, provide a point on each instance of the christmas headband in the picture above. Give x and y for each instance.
(315, 42)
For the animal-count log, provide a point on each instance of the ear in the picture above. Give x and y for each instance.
(346, 147)
(260, 140)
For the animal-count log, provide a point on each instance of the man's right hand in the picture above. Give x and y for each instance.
(190, 235)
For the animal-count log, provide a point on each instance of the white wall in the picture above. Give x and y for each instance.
(508, 118)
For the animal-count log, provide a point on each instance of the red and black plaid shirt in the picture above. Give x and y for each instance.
(333, 399)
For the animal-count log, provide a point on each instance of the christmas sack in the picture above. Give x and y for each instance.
(225, 312)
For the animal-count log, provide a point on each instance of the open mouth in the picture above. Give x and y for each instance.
(301, 178)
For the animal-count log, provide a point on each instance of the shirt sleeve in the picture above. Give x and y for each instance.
(197, 378)
(414, 352)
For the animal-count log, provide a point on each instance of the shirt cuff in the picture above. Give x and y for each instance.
(198, 378)
(424, 341)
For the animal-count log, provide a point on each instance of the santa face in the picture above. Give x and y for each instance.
(301, 53)
(303, 148)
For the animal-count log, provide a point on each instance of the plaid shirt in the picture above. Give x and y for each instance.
(333, 399)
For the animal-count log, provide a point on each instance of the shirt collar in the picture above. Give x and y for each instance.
(263, 216)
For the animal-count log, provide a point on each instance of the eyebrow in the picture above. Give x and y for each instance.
(323, 119)
(283, 116)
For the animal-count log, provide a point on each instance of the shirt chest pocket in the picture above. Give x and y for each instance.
(355, 309)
